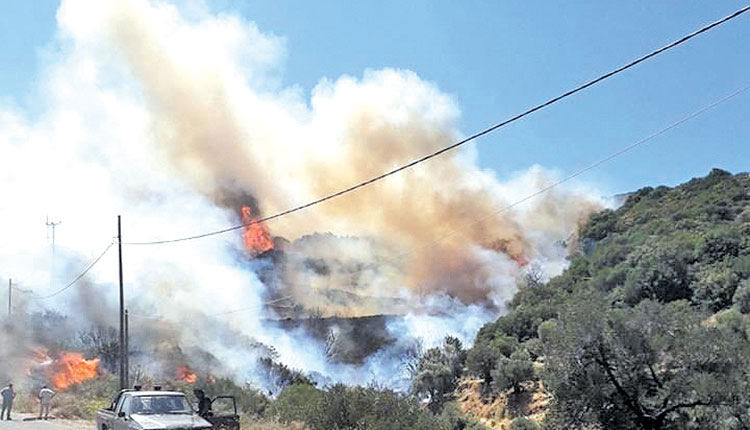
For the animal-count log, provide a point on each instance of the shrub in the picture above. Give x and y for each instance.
(299, 402)
(511, 372)
(523, 423)
(741, 297)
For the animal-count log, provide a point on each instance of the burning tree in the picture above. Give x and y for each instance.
(101, 342)
(256, 236)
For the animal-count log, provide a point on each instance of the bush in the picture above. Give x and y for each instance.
(342, 407)
(523, 423)
(741, 297)
(511, 372)
(299, 402)
(481, 360)
(451, 418)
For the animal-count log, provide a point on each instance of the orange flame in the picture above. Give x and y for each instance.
(256, 236)
(73, 369)
(187, 375)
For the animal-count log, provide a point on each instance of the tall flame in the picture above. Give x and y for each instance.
(256, 236)
(73, 369)
(184, 373)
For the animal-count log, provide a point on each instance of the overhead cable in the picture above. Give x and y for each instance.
(233, 311)
(536, 193)
(601, 161)
(461, 142)
(78, 278)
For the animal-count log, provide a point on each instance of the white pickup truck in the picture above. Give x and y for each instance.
(152, 410)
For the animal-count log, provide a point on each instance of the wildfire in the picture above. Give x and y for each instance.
(256, 236)
(73, 369)
(187, 375)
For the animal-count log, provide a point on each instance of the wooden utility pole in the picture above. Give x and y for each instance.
(127, 349)
(123, 347)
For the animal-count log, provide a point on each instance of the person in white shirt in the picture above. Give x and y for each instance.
(45, 402)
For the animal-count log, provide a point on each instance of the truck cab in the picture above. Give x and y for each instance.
(147, 410)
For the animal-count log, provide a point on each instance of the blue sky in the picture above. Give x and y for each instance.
(497, 59)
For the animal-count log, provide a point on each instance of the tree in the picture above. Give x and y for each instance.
(438, 372)
(455, 353)
(434, 379)
(480, 361)
(741, 297)
(653, 366)
(102, 342)
(510, 372)
(660, 272)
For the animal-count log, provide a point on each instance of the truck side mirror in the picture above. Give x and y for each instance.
(121, 414)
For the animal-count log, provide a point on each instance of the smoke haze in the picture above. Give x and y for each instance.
(175, 119)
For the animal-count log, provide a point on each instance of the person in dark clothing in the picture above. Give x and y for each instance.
(204, 403)
(8, 394)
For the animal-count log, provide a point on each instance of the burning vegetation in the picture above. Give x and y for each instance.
(256, 236)
(184, 373)
(72, 368)
(67, 369)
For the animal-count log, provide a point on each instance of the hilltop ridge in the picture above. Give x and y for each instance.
(647, 328)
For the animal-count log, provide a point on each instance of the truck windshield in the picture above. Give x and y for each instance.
(162, 404)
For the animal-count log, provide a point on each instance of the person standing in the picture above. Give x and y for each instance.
(204, 403)
(45, 402)
(8, 395)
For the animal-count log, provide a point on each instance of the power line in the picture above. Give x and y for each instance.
(457, 144)
(398, 258)
(78, 278)
(543, 190)
(461, 142)
(233, 311)
(602, 161)
(451, 233)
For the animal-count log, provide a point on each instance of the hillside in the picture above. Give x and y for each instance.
(347, 340)
(648, 327)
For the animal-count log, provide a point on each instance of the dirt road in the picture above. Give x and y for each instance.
(19, 424)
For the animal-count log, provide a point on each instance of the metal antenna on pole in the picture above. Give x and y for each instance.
(52, 224)
(123, 347)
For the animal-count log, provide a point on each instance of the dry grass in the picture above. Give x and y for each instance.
(247, 422)
(498, 412)
(77, 402)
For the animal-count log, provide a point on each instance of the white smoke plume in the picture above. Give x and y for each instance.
(175, 119)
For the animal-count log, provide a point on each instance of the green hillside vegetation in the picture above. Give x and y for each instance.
(648, 327)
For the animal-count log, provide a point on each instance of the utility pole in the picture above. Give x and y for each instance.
(127, 349)
(52, 224)
(10, 295)
(123, 347)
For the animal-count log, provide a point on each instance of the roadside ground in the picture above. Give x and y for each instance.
(30, 423)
